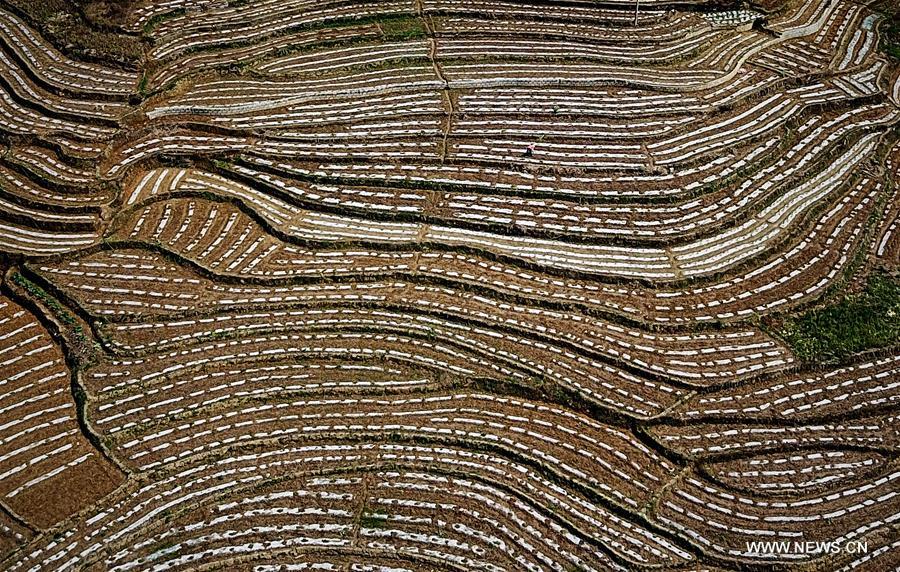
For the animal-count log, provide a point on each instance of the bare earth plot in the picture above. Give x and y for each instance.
(396, 285)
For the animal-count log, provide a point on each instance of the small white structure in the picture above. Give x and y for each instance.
(741, 19)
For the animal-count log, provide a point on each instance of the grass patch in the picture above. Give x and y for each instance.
(83, 28)
(82, 347)
(372, 520)
(890, 41)
(142, 86)
(156, 20)
(403, 28)
(864, 321)
(890, 29)
(61, 313)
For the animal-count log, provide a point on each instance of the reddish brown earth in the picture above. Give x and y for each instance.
(442, 285)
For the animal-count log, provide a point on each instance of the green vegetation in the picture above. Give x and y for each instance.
(83, 28)
(410, 28)
(106, 13)
(859, 322)
(891, 39)
(142, 86)
(155, 21)
(372, 520)
(890, 29)
(81, 344)
(61, 313)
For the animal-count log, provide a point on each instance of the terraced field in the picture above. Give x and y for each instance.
(398, 285)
